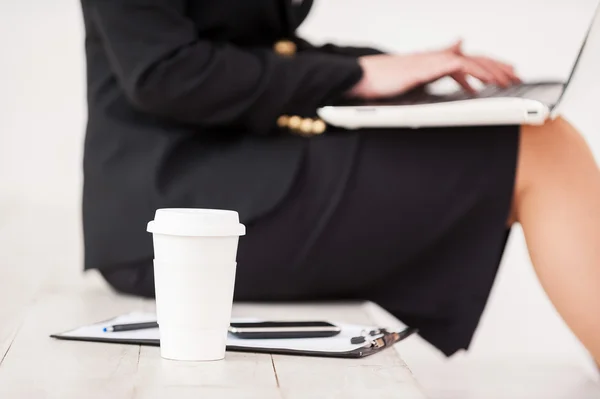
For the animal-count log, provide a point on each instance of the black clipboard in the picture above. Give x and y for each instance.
(371, 341)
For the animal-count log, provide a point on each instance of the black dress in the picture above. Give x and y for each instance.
(412, 219)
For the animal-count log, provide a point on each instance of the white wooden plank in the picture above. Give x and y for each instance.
(342, 379)
(190, 392)
(8, 331)
(20, 279)
(32, 250)
(241, 375)
(239, 370)
(383, 375)
(37, 366)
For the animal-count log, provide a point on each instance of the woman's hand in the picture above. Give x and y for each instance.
(391, 75)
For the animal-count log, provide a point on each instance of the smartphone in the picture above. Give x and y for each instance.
(284, 329)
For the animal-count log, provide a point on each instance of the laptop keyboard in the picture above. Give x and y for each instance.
(546, 93)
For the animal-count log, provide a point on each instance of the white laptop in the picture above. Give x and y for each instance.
(527, 103)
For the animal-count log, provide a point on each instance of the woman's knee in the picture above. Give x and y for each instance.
(547, 153)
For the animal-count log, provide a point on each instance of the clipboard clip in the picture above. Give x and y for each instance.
(369, 336)
(381, 337)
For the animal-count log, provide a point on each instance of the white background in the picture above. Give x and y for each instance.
(42, 119)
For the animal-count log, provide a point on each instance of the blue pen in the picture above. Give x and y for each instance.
(130, 327)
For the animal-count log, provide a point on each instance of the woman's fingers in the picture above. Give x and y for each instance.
(459, 67)
(508, 69)
(433, 66)
(461, 79)
(500, 77)
(503, 73)
(472, 68)
(456, 48)
(381, 77)
(486, 69)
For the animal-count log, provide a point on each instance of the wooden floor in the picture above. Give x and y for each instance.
(42, 292)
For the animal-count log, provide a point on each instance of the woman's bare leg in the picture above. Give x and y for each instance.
(557, 201)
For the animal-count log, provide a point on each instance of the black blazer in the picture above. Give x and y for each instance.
(183, 99)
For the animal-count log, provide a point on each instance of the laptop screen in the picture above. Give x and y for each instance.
(595, 24)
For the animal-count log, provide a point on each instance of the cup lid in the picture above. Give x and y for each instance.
(196, 222)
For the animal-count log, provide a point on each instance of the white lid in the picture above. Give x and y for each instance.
(196, 222)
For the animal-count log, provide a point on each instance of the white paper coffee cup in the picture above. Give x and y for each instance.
(195, 262)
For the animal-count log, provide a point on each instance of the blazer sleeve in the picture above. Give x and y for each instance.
(165, 69)
(330, 48)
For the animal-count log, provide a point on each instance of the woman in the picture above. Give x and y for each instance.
(194, 104)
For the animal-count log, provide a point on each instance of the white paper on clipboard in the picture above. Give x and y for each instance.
(340, 343)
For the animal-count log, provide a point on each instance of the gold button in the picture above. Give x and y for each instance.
(318, 127)
(283, 121)
(306, 127)
(295, 122)
(285, 47)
